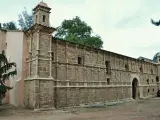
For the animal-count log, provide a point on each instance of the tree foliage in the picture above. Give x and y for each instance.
(25, 20)
(7, 69)
(8, 26)
(79, 32)
(155, 23)
(0, 26)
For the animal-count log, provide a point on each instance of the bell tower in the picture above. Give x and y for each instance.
(41, 14)
(39, 78)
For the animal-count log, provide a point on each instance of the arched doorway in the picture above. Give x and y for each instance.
(134, 88)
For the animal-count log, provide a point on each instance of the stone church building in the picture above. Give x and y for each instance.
(55, 73)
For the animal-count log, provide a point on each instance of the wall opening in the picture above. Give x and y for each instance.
(157, 79)
(141, 69)
(134, 88)
(80, 60)
(36, 18)
(44, 18)
(108, 81)
(148, 81)
(6, 46)
(52, 56)
(108, 69)
(151, 71)
(126, 67)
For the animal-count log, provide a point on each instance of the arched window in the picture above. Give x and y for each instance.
(36, 18)
(44, 17)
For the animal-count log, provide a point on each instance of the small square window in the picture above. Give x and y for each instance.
(80, 60)
(157, 79)
(108, 81)
(141, 69)
(126, 67)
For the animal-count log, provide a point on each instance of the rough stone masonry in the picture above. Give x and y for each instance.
(62, 74)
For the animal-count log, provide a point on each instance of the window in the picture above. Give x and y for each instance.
(80, 60)
(147, 81)
(108, 69)
(52, 56)
(148, 90)
(142, 59)
(44, 17)
(152, 81)
(151, 71)
(126, 67)
(141, 69)
(153, 89)
(157, 79)
(108, 81)
(36, 18)
(6, 45)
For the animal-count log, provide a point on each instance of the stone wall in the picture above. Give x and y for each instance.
(39, 83)
(88, 82)
(61, 74)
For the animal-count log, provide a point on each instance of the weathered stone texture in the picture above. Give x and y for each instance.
(92, 72)
(34, 44)
(29, 94)
(44, 43)
(43, 68)
(46, 93)
(64, 74)
(33, 68)
(61, 72)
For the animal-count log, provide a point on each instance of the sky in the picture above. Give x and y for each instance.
(124, 25)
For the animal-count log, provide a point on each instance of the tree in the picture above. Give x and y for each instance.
(155, 23)
(25, 20)
(79, 32)
(7, 69)
(8, 26)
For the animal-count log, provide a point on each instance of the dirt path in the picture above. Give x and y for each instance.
(135, 110)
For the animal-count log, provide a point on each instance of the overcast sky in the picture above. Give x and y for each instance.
(124, 25)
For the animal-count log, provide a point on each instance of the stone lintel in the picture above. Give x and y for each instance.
(40, 78)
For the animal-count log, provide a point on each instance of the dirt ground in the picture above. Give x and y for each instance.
(134, 110)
